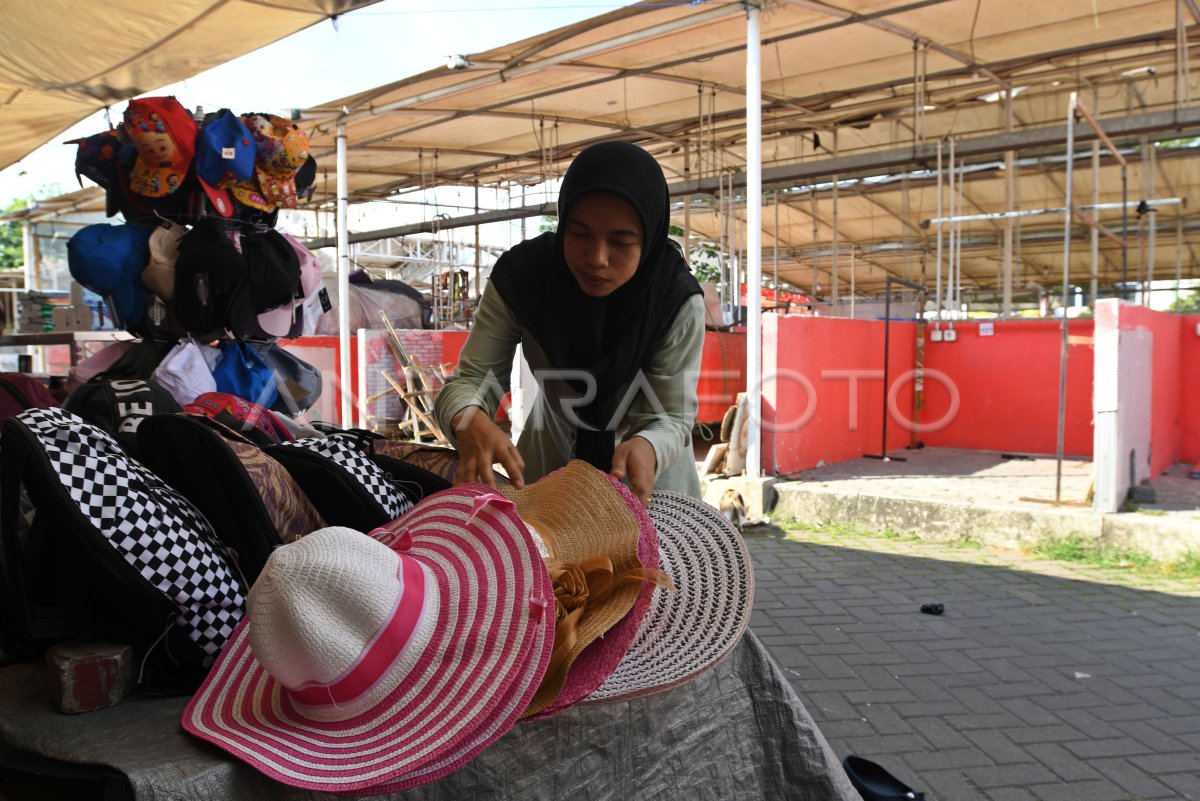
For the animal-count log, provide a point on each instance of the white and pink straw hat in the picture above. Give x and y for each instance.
(376, 663)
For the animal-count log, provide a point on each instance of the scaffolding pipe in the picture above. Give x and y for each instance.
(997, 215)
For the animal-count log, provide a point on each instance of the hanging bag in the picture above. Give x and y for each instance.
(242, 372)
(112, 553)
(20, 391)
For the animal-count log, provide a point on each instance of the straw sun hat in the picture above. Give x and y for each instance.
(688, 608)
(603, 553)
(370, 664)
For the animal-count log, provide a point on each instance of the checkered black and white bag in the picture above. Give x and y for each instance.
(114, 552)
(344, 483)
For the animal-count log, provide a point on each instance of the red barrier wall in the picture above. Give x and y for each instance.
(1007, 386)
(1189, 389)
(722, 373)
(997, 392)
(823, 389)
(452, 345)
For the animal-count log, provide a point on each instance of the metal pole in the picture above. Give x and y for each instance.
(687, 207)
(1094, 284)
(775, 282)
(854, 269)
(833, 283)
(958, 237)
(1066, 290)
(1010, 179)
(887, 334)
(1178, 254)
(887, 337)
(754, 237)
(478, 259)
(1124, 228)
(954, 211)
(343, 252)
(938, 303)
(1151, 170)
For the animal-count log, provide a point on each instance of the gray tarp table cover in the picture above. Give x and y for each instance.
(737, 731)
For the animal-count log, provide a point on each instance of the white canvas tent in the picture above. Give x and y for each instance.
(62, 60)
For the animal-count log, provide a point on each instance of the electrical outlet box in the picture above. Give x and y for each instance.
(951, 335)
(935, 335)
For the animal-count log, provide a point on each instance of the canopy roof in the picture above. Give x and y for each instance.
(61, 60)
(864, 89)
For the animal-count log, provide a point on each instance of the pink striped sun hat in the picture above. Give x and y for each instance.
(376, 663)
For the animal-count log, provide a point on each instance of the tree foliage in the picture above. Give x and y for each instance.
(1188, 302)
(12, 254)
(704, 258)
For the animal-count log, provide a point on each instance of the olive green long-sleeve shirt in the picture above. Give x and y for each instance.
(660, 404)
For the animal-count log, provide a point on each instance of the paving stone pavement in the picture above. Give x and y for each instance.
(1040, 682)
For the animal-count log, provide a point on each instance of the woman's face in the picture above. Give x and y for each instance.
(602, 243)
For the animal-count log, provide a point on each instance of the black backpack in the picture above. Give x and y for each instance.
(112, 553)
(251, 500)
(347, 483)
(20, 391)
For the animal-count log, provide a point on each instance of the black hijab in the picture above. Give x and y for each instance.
(611, 337)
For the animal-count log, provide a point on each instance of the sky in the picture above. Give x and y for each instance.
(366, 48)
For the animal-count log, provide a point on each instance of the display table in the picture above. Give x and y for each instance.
(83, 343)
(737, 731)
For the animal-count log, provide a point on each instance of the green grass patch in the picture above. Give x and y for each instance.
(790, 524)
(1074, 548)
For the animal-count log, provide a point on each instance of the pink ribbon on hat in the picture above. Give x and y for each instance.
(381, 653)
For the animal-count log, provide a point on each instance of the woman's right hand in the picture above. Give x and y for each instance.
(482, 444)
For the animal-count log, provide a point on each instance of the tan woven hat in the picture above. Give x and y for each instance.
(602, 555)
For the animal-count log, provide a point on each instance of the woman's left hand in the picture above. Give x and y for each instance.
(634, 458)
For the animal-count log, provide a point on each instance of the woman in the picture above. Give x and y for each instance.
(611, 322)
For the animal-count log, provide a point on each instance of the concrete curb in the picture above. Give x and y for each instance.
(998, 526)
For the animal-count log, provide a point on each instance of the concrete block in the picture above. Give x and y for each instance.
(758, 494)
(715, 459)
(86, 676)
